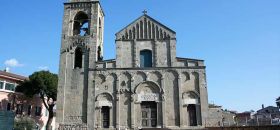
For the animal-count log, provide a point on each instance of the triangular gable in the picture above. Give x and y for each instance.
(145, 27)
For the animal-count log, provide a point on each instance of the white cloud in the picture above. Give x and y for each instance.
(43, 68)
(13, 63)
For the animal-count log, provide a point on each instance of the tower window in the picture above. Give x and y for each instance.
(100, 30)
(146, 58)
(78, 58)
(99, 56)
(81, 24)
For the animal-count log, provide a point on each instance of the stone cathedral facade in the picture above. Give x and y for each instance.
(146, 86)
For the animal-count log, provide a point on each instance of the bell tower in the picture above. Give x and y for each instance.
(81, 48)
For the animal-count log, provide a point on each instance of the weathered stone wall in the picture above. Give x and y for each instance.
(172, 109)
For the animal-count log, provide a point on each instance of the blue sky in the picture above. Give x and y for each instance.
(238, 39)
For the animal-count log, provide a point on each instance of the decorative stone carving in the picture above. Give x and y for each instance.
(163, 97)
(190, 97)
(72, 127)
(100, 104)
(104, 99)
(148, 97)
(75, 118)
(132, 97)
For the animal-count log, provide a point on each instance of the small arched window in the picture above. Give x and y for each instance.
(99, 56)
(81, 24)
(146, 58)
(78, 58)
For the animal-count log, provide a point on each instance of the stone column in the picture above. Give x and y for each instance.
(155, 57)
(111, 117)
(181, 114)
(158, 115)
(198, 114)
(163, 103)
(132, 110)
(99, 117)
(117, 104)
(132, 100)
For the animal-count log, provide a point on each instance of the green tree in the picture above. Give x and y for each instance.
(278, 101)
(44, 84)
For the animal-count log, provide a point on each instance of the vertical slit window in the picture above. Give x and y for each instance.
(130, 34)
(99, 56)
(100, 30)
(137, 31)
(78, 58)
(157, 32)
(153, 31)
(145, 28)
(149, 30)
(141, 30)
(133, 32)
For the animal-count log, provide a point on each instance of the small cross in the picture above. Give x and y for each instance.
(145, 12)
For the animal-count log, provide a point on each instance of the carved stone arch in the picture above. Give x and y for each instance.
(114, 75)
(104, 96)
(185, 76)
(196, 83)
(175, 73)
(104, 99)
(195, 73)
(155, 76)
(83, 48)
(125, 79)
(190, 94)
(191, 97)
(127, 74)
(142, 74)
(80, 12)
(158, 74)
(100, 78)
(154, 87)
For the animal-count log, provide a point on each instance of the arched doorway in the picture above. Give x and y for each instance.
(191, 102)
(104, 107)
(148, 95)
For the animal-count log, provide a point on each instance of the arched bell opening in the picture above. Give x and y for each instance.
(81, 24)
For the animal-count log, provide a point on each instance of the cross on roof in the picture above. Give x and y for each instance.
(144, 11)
